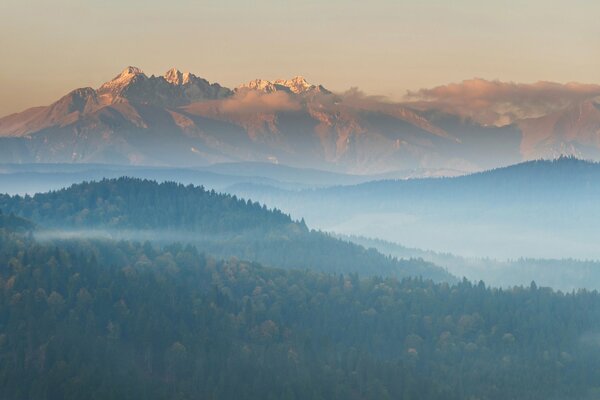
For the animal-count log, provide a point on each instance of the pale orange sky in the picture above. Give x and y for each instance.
(382, 46)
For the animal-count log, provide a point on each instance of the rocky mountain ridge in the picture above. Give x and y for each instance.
(181, 119)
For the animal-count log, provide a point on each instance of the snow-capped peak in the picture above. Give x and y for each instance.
(297, 85)
(260, 84)
(127, 74)
(178, 78)
(132, 71)
(174, 76)
(122, 80)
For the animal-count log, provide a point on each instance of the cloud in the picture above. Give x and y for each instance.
(256, 102)
(355, 95)
(496, 102)
(355, 99)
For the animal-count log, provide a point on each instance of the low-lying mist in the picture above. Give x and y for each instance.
(116, 234)
(543, 212)
(494, 238)
(542, 209)
(565, 274)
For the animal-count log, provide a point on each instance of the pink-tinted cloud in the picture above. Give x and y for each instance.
(256, 102)
(496, 102)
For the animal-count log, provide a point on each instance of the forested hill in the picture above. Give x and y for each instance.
(219, 224)
(118, 320)
(130, 203)
(12, 223)
(566, 178)
(525, 184)
(538, 209)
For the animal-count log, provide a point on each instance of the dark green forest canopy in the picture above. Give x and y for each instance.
(13, 223)
(130, 203)
(119, 320)
(220, 224)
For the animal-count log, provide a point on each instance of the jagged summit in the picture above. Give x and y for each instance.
(124, 78)
(132, 71)
(133, 84)
(259, 84)
(296, 85)
(178, 78)
(114, 89)
(174, 76)
(173, 89)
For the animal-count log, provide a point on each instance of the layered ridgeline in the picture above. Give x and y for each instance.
(219, 224)
(36, 178)
(540, 209)
(119, 320)
(180, 119)
(566, 274)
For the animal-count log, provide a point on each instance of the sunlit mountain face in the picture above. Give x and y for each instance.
(180, 119)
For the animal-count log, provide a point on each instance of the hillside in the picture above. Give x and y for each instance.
(100, 319)
(539, 209)
(219, 224)
(12, 223)
(559, 274)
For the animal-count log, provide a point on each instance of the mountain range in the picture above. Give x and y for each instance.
(180, 119)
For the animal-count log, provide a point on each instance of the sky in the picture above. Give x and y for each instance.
(384, 47)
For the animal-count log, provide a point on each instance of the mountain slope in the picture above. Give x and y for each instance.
(573, 130)
(219, 224)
